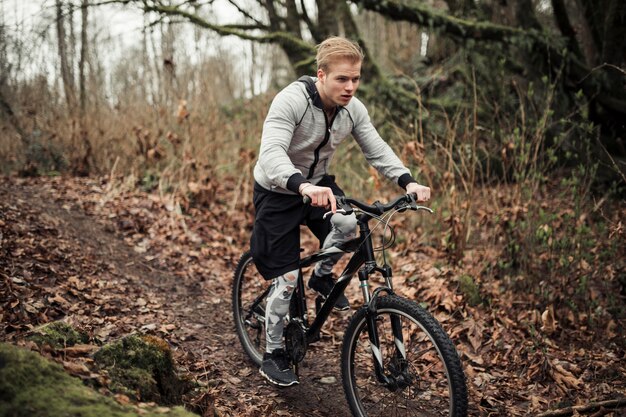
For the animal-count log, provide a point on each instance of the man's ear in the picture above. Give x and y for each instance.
(321, 75)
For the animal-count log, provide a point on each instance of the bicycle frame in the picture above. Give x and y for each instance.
(363, 255)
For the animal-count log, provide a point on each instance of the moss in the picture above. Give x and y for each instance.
(58, 335)
(33, 386)
(470, 289)
(142, 367)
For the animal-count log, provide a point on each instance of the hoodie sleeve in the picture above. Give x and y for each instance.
(377, 152)
(278, 131)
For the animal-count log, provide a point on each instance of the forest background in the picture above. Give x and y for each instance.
(513, 111)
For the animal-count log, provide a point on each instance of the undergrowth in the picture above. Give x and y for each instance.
(514, 182)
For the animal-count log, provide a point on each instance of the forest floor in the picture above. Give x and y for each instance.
(112, 261)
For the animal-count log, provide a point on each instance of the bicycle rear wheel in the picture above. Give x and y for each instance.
(429, 379)
(249, 294)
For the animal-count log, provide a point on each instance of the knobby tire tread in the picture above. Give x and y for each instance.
(432, 327)
(236, 305)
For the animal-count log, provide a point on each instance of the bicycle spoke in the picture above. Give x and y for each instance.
(420, 381)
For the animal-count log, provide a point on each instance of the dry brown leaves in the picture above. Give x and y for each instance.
(60, 258)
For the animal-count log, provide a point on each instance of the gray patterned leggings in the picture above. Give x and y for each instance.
(343, 229)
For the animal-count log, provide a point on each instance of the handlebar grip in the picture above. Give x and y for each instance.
(306, 200)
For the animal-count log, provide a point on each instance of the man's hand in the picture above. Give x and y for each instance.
(422, 192)
(320, 196)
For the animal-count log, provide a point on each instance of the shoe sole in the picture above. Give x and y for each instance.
(278, 383)
(346, 308)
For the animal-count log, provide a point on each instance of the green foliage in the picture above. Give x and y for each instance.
(150, 180)
(42, 158)
(33, 386)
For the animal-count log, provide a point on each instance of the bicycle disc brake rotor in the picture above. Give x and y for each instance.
(400, 373)
(295, 341)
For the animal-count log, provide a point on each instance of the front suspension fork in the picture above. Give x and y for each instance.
(371, 318)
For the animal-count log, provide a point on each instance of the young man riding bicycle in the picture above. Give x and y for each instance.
(305, 124)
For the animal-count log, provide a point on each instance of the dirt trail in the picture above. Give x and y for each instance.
(114, 260)
(66, 255)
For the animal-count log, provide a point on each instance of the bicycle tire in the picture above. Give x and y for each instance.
(435, 381)
(248, 284)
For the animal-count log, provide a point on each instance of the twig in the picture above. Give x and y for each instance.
(587, 408)
(615, 165)
(600, 67)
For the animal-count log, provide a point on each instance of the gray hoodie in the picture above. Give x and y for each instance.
(298, 142)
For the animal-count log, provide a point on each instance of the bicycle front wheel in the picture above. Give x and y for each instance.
(249, 294)
(423, 370)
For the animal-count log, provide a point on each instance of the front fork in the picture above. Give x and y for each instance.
(371, 301)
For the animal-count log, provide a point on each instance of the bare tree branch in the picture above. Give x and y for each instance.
(246, 14)
(593, 86)
(452, 26)
(286, 40)
(568, 411)
(247, 27)
(312, 27)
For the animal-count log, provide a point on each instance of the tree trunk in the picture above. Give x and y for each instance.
(293, 19)
(83, 165)
(273, 15)
(591, 11)
(168, 37)
(71, 45)
(83, 56)
(525, 14)
(563, 22)
(614, 41)
(68, 85)
(327, 17)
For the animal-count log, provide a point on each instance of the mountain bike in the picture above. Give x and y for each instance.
(396, 359)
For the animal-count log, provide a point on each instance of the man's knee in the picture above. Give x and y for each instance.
(346, 225)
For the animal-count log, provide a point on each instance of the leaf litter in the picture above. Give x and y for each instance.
(114, 261)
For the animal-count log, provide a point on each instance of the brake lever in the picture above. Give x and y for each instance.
(330, 213)
(412, 202)
(428, 209)
(342, 208)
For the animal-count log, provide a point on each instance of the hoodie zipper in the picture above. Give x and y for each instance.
(321, 145)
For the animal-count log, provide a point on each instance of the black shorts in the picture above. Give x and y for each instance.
(275, 241)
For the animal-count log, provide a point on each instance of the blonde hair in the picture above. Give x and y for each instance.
(335, 48)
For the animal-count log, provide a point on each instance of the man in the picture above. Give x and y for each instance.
(304, 126)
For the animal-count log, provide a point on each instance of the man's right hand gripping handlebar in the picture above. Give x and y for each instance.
(421, 192)
(319, 196)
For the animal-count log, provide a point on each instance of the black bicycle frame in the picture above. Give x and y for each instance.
(363, 255)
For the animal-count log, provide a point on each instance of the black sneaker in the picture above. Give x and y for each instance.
(323, 285)
(277, 370)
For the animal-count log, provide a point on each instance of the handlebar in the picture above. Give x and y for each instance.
(401, 203)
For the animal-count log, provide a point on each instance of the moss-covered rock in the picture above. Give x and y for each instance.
(142, 367)
(33, 386)
(57, 335)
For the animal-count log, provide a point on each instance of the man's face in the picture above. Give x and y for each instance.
(338, 85)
